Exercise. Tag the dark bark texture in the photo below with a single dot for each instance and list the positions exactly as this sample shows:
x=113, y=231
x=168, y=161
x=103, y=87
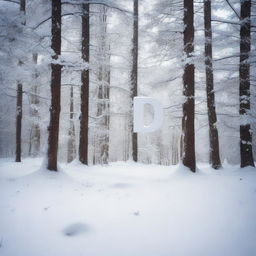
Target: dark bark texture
x=134, y=73
x=23, y=6
x=53, y=128
x=212, y=117
x=244, y=88
x=19, y=101
x=188, y=129
x=84, y=118
x=18, y=122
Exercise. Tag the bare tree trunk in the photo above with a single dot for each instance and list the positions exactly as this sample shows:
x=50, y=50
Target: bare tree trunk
x=188, y=129
x=19, y=99
x=134, y=73
x=175, y=147
x=94, y=148
x=18, y=122
x=55, y=87
x=244, y=88
x=30, y=141
x=103, y=110
x=34, y=147
x=212, y=117
x=103, y=92
x=71, y=131
x=126, y=137
x=105, y=148
x=84, y=118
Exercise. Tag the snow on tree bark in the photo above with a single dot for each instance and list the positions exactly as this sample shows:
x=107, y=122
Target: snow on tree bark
x=212, y=118
x=84, y=118
x=71, y=132
x=34, y=144
x=188, y=128
x=18, y=122
x=244, y=84
x=53, y=128
x=19, y=99
x=103, y=110
x=134, y=73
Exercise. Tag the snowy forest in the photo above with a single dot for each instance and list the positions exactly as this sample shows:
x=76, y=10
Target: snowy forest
x=69, y=73
x=87, y=61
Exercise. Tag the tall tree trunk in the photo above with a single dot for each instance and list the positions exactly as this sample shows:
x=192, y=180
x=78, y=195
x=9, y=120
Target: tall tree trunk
x=244, y=88
x=71, y=131
x=53, y=128
x=103, y=92
x=18, y=122
x=19, y=98
x=134, y=73
x=212, y=118
x=84, y=118
x=103, y=110
x=34, y=147
x=188, y=129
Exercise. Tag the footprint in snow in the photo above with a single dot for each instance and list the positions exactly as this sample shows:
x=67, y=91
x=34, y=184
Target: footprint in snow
x=76, y=229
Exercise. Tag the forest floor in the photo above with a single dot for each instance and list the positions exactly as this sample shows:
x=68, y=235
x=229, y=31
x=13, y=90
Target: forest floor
x=126, y=209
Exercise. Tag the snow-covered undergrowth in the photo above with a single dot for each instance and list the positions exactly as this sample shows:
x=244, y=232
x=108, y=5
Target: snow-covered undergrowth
x=126, y=209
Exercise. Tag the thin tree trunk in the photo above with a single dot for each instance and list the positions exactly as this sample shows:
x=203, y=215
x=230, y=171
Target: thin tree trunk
x=35, y=130
x=212, y=117
x=19, y=99
x=103, y=110
x=244, y=88
x=84, y=118
x=71, y=131
x=188, y=128
x=55, y=87
x=105, y=148
x=30, y=142
x=18, y=122
x=134, y=73
x=103, y=92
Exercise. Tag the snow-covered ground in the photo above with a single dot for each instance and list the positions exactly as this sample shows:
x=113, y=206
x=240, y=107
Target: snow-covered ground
x=126, y=209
